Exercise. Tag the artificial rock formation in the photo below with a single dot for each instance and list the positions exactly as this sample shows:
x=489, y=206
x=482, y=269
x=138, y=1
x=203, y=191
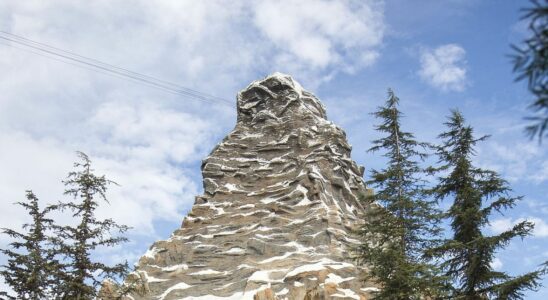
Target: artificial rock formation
x=280, y=199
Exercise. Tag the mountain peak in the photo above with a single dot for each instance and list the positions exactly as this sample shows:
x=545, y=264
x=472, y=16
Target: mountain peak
x=281, y=197
x=276, y=97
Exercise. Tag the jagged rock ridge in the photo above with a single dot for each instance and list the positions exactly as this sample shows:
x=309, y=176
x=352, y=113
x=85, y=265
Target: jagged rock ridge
x=280, y=197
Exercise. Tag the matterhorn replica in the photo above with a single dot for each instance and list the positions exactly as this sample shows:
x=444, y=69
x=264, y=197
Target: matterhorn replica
x=281, y=197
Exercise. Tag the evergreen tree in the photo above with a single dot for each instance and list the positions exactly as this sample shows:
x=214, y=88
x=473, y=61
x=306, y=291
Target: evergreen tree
x=531, y=64
x=401, y=221
x=30, y=260
x=82, y=276
x=476, y=194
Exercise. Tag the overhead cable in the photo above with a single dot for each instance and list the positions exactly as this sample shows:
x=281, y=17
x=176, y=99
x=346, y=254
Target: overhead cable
x=102, y=67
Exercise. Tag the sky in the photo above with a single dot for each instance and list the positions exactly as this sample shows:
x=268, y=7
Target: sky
x=436, y=56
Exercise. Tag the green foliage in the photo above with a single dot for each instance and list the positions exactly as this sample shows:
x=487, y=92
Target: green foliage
x=30, y=260
x=82, y=276
x=400, y=221
x=476, y=193
x=52, y=261
x=531, y=64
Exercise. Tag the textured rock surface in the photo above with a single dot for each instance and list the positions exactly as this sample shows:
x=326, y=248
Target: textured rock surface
x=280, y=199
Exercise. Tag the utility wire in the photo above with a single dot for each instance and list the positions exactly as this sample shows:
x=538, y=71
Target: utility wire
x=135, y=76
x=112, y=66
x=84, y=66
x=105, y=68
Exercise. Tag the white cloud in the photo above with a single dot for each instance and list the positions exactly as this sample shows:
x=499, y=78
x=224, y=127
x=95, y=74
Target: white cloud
x=210, y=42
x=321, y=34
x=541, y=227
x=503, y=224
x=149, y=141
x=23, y=168
x=143, y=148
x=537, y=205
x=521, y=161
x=444, y=67
x=500, y=225
x=496, y=264
x=542, y=173
x=4, y=287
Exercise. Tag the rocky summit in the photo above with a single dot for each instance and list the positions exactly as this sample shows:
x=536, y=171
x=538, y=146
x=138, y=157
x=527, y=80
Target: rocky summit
x=281, y=196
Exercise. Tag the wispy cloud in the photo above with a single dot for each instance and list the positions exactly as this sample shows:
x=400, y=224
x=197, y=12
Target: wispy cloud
x=137, y=136
x=542, y=174
x=497, y=264
x=503, y=224
x=521, y=161
x=142, y=147
x=444, y=67
x=322, y=34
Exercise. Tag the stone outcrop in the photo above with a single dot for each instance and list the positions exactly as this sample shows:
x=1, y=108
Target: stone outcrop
x=280, y=199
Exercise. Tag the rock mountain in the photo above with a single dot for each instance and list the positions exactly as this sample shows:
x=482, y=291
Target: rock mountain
x=280, y=199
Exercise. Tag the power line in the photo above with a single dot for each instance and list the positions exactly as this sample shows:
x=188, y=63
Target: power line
x=134, y=76
x=83, y=66
x=114, y=67
x=105, y=68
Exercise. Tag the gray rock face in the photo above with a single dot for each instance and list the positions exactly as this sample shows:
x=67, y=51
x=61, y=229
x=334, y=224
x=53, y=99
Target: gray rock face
x=280, y=198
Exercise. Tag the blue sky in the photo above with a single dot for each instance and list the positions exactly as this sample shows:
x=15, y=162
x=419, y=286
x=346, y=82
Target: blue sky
x=435, y=55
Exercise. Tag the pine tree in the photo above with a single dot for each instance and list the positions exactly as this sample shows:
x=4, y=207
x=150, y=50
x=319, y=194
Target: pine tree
x=401, y=221
x=30, y=261
x=531, y=64
x=476, y=194
x=83, y=276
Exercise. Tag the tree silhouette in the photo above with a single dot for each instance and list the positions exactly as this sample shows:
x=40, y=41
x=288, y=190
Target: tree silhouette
x=83, y=275
x=476, y=193
x=30, y=261
x=401, y=221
